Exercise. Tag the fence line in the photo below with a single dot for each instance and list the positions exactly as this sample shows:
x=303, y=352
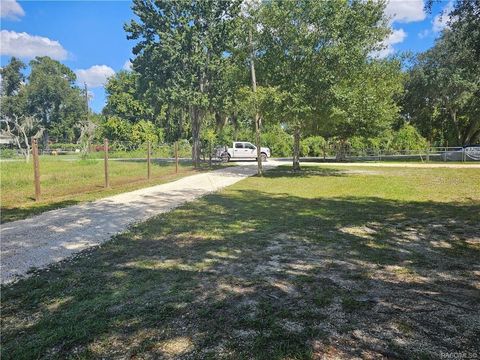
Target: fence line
x=36, y=169
x=105, y=152
x=62, y=168
x=428, y=154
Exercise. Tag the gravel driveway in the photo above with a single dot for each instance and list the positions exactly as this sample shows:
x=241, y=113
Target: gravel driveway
x=54, y=235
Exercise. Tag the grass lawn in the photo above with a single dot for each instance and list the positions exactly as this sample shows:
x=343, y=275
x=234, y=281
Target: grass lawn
x=67, y=182
x=333, y=263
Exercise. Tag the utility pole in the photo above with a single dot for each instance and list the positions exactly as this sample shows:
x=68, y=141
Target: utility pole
x=86, y=100
x=257, y=115
x=87, y=122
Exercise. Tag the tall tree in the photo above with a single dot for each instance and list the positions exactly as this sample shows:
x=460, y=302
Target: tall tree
x=364, y=103
x=308, y=46
x=12, y=93
x=465, y=22
x=181, y=51
x=53, y=98
x=443, y=91
x=124, y=98
x=12, y=77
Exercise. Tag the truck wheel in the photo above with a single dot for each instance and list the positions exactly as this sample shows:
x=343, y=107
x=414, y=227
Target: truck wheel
x=263, y=156
x=225, y=157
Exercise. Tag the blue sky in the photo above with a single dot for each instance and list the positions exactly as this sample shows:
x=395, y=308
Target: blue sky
x=88, y=36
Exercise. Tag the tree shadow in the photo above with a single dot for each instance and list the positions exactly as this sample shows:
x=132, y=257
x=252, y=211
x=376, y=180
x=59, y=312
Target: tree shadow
x=254, y=275
x=8, y=214
x=286, y=171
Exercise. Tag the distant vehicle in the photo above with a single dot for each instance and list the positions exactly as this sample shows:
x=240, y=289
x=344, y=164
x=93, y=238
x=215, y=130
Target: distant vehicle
x=472, y=152
x=465, y=153
x=242, y=150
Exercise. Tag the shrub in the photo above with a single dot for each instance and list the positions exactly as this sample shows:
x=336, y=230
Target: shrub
x=313, y=146
x=408, y=138
x=144, y=131
x=116, y=129
x=8, y=153
x=184, y=148
x=278, y=140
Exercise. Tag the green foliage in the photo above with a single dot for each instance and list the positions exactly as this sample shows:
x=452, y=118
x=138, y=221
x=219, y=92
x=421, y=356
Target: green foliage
x=53, y=97
x=116, y=129
x=8, y=153
x=144, y=131
x=13, y=97
x=467, y=26
x=295, y=55
x=383, y=141
x=278, y=140
x=12, y=77
x=442, y=95
x=408, y=138
x=313, y=146
x=184, y=148
x=364, y=102
x=180, y=53
x=124, y=98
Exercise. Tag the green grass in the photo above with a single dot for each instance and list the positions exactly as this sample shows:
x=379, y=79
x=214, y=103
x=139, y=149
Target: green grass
x=67, y=182
x=332, y=262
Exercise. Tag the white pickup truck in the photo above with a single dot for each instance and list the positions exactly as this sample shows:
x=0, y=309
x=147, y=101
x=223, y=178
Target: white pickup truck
x=242, y=150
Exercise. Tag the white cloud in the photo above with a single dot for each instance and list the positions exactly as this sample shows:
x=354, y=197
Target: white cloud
x=28, y=46
x=424, y=33
x=11, y=9
x=405, y=11
x=440, y=21
x=396, y=37
x=95, y=76
x=127, y=66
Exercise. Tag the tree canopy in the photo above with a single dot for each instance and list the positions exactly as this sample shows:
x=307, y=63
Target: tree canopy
x=442, y=95
x=181, y=52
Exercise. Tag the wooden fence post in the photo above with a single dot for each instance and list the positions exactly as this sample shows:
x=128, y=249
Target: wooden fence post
x=36, y=168
x=149, y=149
x=105, y=150
x=427, y=155
x=176, y=156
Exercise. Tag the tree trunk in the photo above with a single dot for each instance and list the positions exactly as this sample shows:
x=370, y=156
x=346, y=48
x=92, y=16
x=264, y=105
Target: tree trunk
x=296, y=149
x=234, y=119
x=196, y=118
x=257, y=115
x=453, y=113
x=258, y=145
x=342, y=151
x=220, y=121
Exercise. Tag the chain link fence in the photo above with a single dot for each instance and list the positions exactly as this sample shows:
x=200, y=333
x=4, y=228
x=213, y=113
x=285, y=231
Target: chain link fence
x=437, y=154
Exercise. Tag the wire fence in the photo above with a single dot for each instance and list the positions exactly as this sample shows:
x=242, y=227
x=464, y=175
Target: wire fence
x=58, y=172
x=437, y=154
x=61, y=172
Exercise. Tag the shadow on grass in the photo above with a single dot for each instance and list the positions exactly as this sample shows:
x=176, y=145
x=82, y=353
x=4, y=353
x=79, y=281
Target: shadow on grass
x=19, y=213
x=253, y=275
x=286, y=171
